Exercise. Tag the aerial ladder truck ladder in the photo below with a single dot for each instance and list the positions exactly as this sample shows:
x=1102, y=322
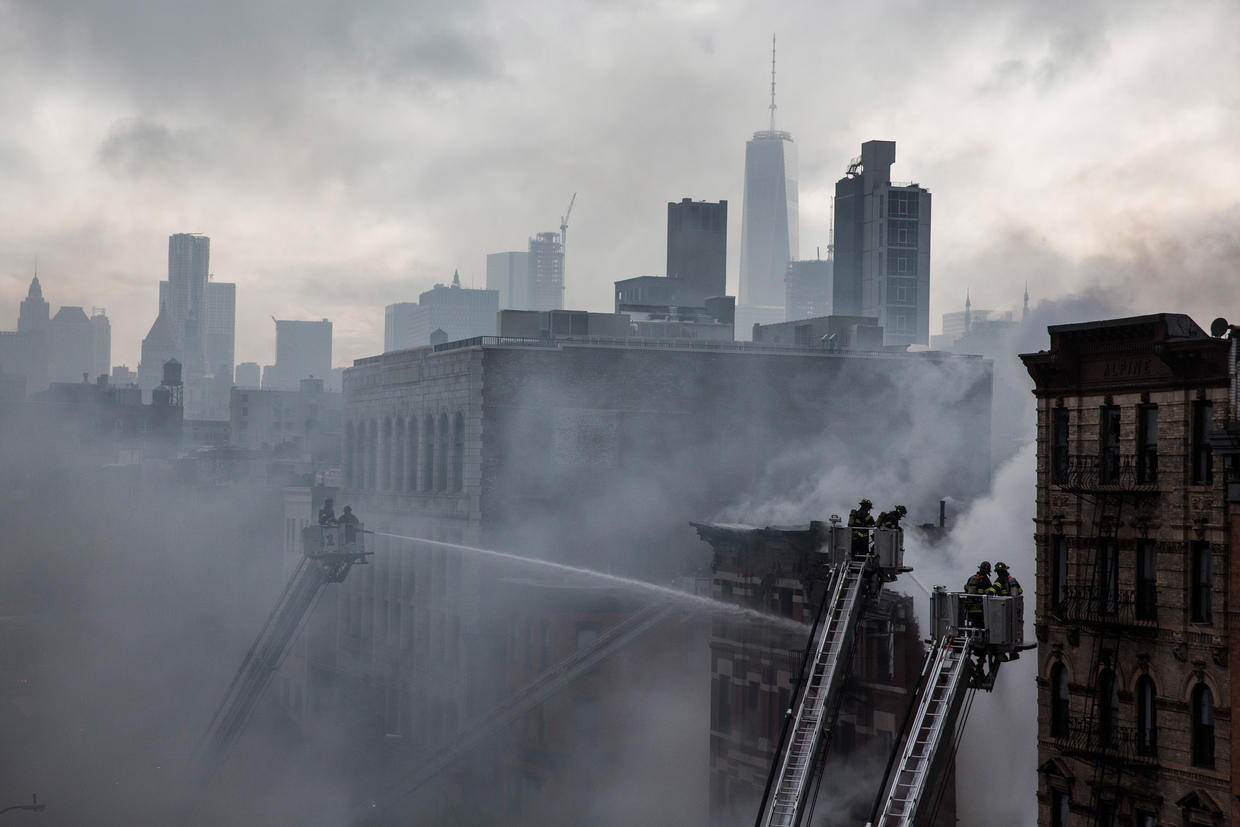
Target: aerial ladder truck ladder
x=857, y=574
x=974, y=634
x=328, y=553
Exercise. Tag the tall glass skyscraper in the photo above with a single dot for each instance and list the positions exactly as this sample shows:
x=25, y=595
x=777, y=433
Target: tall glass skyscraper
x=768, y=222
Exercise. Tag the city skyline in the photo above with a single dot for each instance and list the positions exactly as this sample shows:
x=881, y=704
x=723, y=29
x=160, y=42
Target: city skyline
x=112, y=153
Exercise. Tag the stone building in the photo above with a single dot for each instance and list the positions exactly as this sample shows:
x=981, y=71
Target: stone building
x=1134, y=586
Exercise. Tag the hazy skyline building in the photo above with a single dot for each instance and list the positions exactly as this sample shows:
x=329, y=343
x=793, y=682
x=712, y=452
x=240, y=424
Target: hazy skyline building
x=70, y=339
x=882, y=247
x=101, y=343
x=303, y=351
x=546, y=281
x=221, y=327
x=459, y=312
x=508, y=273
x=807, y=289
x=159, y=346
x=189, y=261
x=697, y=244
x=769, y=221
x=35, y=312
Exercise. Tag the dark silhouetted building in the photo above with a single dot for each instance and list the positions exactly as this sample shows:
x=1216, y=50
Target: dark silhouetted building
x=697, y=244
x=882, y=247
x=807, y=289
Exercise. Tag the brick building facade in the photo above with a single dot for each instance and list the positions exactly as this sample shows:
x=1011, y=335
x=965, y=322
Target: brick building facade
x=1135, y=611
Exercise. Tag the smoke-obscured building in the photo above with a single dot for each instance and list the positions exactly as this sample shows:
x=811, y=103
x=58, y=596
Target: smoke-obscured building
x=508, y=274
x=780, y=571
x=697, y=244
x=101, y=343
x=24, y=352
x=807, y=289
x=221, y=328
x=882, y=247
x=1138, y=496
x=303, y=351
x=769, y=222
x=71, y=344
x=303, y=424
x=189, y=261
x=546, y=279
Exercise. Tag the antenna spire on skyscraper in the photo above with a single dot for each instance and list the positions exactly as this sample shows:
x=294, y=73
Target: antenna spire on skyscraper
x=772, y=82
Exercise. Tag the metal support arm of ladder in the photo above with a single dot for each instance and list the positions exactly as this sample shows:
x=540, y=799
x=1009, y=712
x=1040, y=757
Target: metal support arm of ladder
x=546, y=685
x=931, y=731
x=819, y=702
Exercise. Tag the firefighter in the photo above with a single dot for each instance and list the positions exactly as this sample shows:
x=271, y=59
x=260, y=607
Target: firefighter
x=861, y=518
x=977, y=585
x=891, y=519
x=980, y=582
x=327, y=514
x=350, y=522
x=1005, y=584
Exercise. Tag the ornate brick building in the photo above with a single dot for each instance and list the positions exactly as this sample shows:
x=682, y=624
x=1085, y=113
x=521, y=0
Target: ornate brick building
x=1135, y=619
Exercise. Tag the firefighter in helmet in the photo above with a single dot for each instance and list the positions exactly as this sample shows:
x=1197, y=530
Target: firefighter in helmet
x=1005, y=584
x=350, y=522
x=861, y=519
x=892, y=518
x=979, y=582
x=327, y=514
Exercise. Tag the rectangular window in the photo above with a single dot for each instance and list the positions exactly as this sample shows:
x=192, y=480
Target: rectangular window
x=1108, y=444
x=1147, y=581
x=1202, y=457
x=904, y=204
x=1059, y=571
x=1059, y=808
x=1147, y=444
x=1201, y=584
x=901, y=233
x=1108, y=574
x=1059, y=446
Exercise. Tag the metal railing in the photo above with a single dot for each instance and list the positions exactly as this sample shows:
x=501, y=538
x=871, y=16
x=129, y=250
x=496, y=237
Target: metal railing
x=1100, y=606
x=1102, y=473
x=1115, y=743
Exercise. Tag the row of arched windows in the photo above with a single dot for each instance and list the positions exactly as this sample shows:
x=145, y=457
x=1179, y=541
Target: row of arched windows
x=1107, y=728
x=406, y=454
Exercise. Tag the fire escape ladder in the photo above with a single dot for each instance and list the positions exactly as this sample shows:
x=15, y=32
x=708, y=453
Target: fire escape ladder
x=931, y=731
x=1108, y=766
x=820, y=700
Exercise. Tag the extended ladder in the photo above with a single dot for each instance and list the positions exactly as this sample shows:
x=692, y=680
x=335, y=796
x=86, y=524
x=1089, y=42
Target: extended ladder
x=546, y=685
x=815, y=717
x=933, y=725
x=327, y=559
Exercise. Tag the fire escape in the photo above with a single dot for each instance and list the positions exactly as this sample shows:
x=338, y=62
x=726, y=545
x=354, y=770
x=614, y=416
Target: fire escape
x=1109, y=485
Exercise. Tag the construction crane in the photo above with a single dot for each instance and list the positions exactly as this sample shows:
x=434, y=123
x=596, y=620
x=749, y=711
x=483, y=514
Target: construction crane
x=974, y=634
x=328, y=553
x=858, y=570
x=564, y=227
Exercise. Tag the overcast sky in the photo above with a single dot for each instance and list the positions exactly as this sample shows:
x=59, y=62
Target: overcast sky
x=345, y=154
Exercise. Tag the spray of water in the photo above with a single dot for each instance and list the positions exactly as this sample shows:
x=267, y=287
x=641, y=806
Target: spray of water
x=624, y=582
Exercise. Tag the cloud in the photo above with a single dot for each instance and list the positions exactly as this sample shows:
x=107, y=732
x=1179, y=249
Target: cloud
x=138, y=148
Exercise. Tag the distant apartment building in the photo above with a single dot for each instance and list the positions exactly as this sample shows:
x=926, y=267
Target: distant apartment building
x=807, y=289
x=461, y=313
x=697, y=244
x=248, y=375
x=662, y=307
x=303, y=351
x=303, y=424
x=122, y=376
x=754, y=673
x=882, y=247
x=1137, y=501
x=509, y=275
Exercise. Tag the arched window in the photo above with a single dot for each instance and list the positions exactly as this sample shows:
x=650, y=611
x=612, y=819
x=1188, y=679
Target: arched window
x=347, y=456
x=372, y=439
x=1203, y=726
x=458, y=451
x=428, y=453
x=441, y=465
x=1147, y=717
x=1059, y=701
x=411, y=467
x=385, y=456
x=1108, y=709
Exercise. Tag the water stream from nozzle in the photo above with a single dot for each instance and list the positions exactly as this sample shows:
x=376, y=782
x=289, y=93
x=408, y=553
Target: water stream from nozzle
x=708, y=603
